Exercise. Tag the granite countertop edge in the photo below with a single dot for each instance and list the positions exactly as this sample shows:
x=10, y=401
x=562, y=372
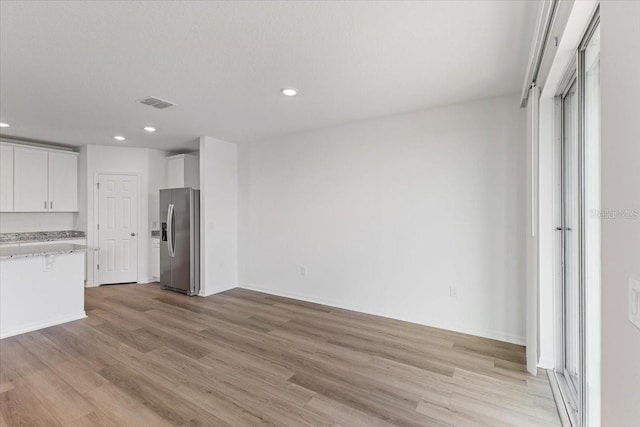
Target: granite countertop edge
x=35, y=251
x=41, y=236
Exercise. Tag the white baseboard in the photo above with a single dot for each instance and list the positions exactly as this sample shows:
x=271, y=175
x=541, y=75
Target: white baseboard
x=45, y=324
x=139, y=282
x=205, y=293
x=484, y=333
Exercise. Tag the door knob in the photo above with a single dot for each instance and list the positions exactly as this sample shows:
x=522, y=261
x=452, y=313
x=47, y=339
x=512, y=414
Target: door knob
x=133, y=234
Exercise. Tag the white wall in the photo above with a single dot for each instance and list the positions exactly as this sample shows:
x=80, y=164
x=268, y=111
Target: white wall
x=387, y=214
x=620, y=82
x=13, y=222
x=147, y=164
x=157, y=181
x=218, y=215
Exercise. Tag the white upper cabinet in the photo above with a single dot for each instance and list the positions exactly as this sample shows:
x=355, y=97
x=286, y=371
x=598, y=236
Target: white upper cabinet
x=38, y=180
x=183, y=170
x=6, y=178
x=63, y=182
x=31, y=180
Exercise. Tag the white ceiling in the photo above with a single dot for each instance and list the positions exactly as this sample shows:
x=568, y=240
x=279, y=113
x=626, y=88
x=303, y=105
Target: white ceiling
x=70, y=72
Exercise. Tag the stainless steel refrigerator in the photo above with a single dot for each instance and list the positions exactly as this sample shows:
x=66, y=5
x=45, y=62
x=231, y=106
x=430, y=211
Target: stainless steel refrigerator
x=180, y=240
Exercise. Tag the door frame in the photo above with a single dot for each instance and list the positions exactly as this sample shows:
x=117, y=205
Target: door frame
x=574, y=75
x=96, y=235
x=571, y=395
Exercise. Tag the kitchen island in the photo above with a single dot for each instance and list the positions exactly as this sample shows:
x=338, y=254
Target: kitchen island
x=40, y=286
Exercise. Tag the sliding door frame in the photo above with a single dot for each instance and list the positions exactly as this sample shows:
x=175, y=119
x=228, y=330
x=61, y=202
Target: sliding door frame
x=571, y=395
x=575, y=74
x=582, y=126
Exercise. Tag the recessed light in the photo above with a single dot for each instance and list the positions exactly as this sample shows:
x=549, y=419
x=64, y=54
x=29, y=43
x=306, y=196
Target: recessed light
x=119, y=138
x=289, y=91
x=149, y=128
x=4, y=125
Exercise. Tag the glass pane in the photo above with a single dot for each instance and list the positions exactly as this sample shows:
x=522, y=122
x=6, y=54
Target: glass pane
x=592, y=224
x=571, y=239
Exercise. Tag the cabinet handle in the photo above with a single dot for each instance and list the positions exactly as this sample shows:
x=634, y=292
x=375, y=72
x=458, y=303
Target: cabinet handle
x=45, y=204
x=50, y=205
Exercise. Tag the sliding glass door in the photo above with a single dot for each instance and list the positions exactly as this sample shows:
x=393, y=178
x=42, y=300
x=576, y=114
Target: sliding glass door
x=571, y=212
x=578, y=370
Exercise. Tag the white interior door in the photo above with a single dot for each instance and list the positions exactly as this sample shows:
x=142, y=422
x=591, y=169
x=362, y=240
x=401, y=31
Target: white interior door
x=117, y=228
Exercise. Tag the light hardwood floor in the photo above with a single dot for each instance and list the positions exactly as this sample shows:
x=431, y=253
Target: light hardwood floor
x=147, y=357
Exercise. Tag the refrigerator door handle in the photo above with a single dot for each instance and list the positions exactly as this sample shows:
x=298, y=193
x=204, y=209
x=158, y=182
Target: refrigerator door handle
x=170, y=231
x=173, y=231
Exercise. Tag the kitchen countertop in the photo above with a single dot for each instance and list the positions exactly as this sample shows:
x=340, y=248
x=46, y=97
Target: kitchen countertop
x=41, y=236
x=33, y=251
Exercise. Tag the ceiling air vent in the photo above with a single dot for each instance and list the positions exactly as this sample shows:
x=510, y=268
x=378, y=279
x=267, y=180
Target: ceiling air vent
x=155, y=102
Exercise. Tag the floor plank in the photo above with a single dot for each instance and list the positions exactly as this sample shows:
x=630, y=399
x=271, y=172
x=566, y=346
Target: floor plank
x=19, y=407
x=145, y=356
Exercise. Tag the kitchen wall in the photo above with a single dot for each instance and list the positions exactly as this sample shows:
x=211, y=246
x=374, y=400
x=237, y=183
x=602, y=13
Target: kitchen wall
x=150, y=166
x=157, y=181
x=419, y=217
x=218, y=215
x=620, y=83
x=36, y=221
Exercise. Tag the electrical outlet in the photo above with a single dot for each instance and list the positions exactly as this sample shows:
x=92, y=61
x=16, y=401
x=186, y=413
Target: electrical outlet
x=453, y=292
x=303, y=271
x=47, y=262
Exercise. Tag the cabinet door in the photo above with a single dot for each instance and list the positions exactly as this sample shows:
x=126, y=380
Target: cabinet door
x=192, y=172
x=30, y=180
x=175, y=173
x=63, y=182
x=6, y=178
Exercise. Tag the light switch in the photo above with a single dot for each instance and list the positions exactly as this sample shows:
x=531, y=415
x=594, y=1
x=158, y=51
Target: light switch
x=634, y=301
